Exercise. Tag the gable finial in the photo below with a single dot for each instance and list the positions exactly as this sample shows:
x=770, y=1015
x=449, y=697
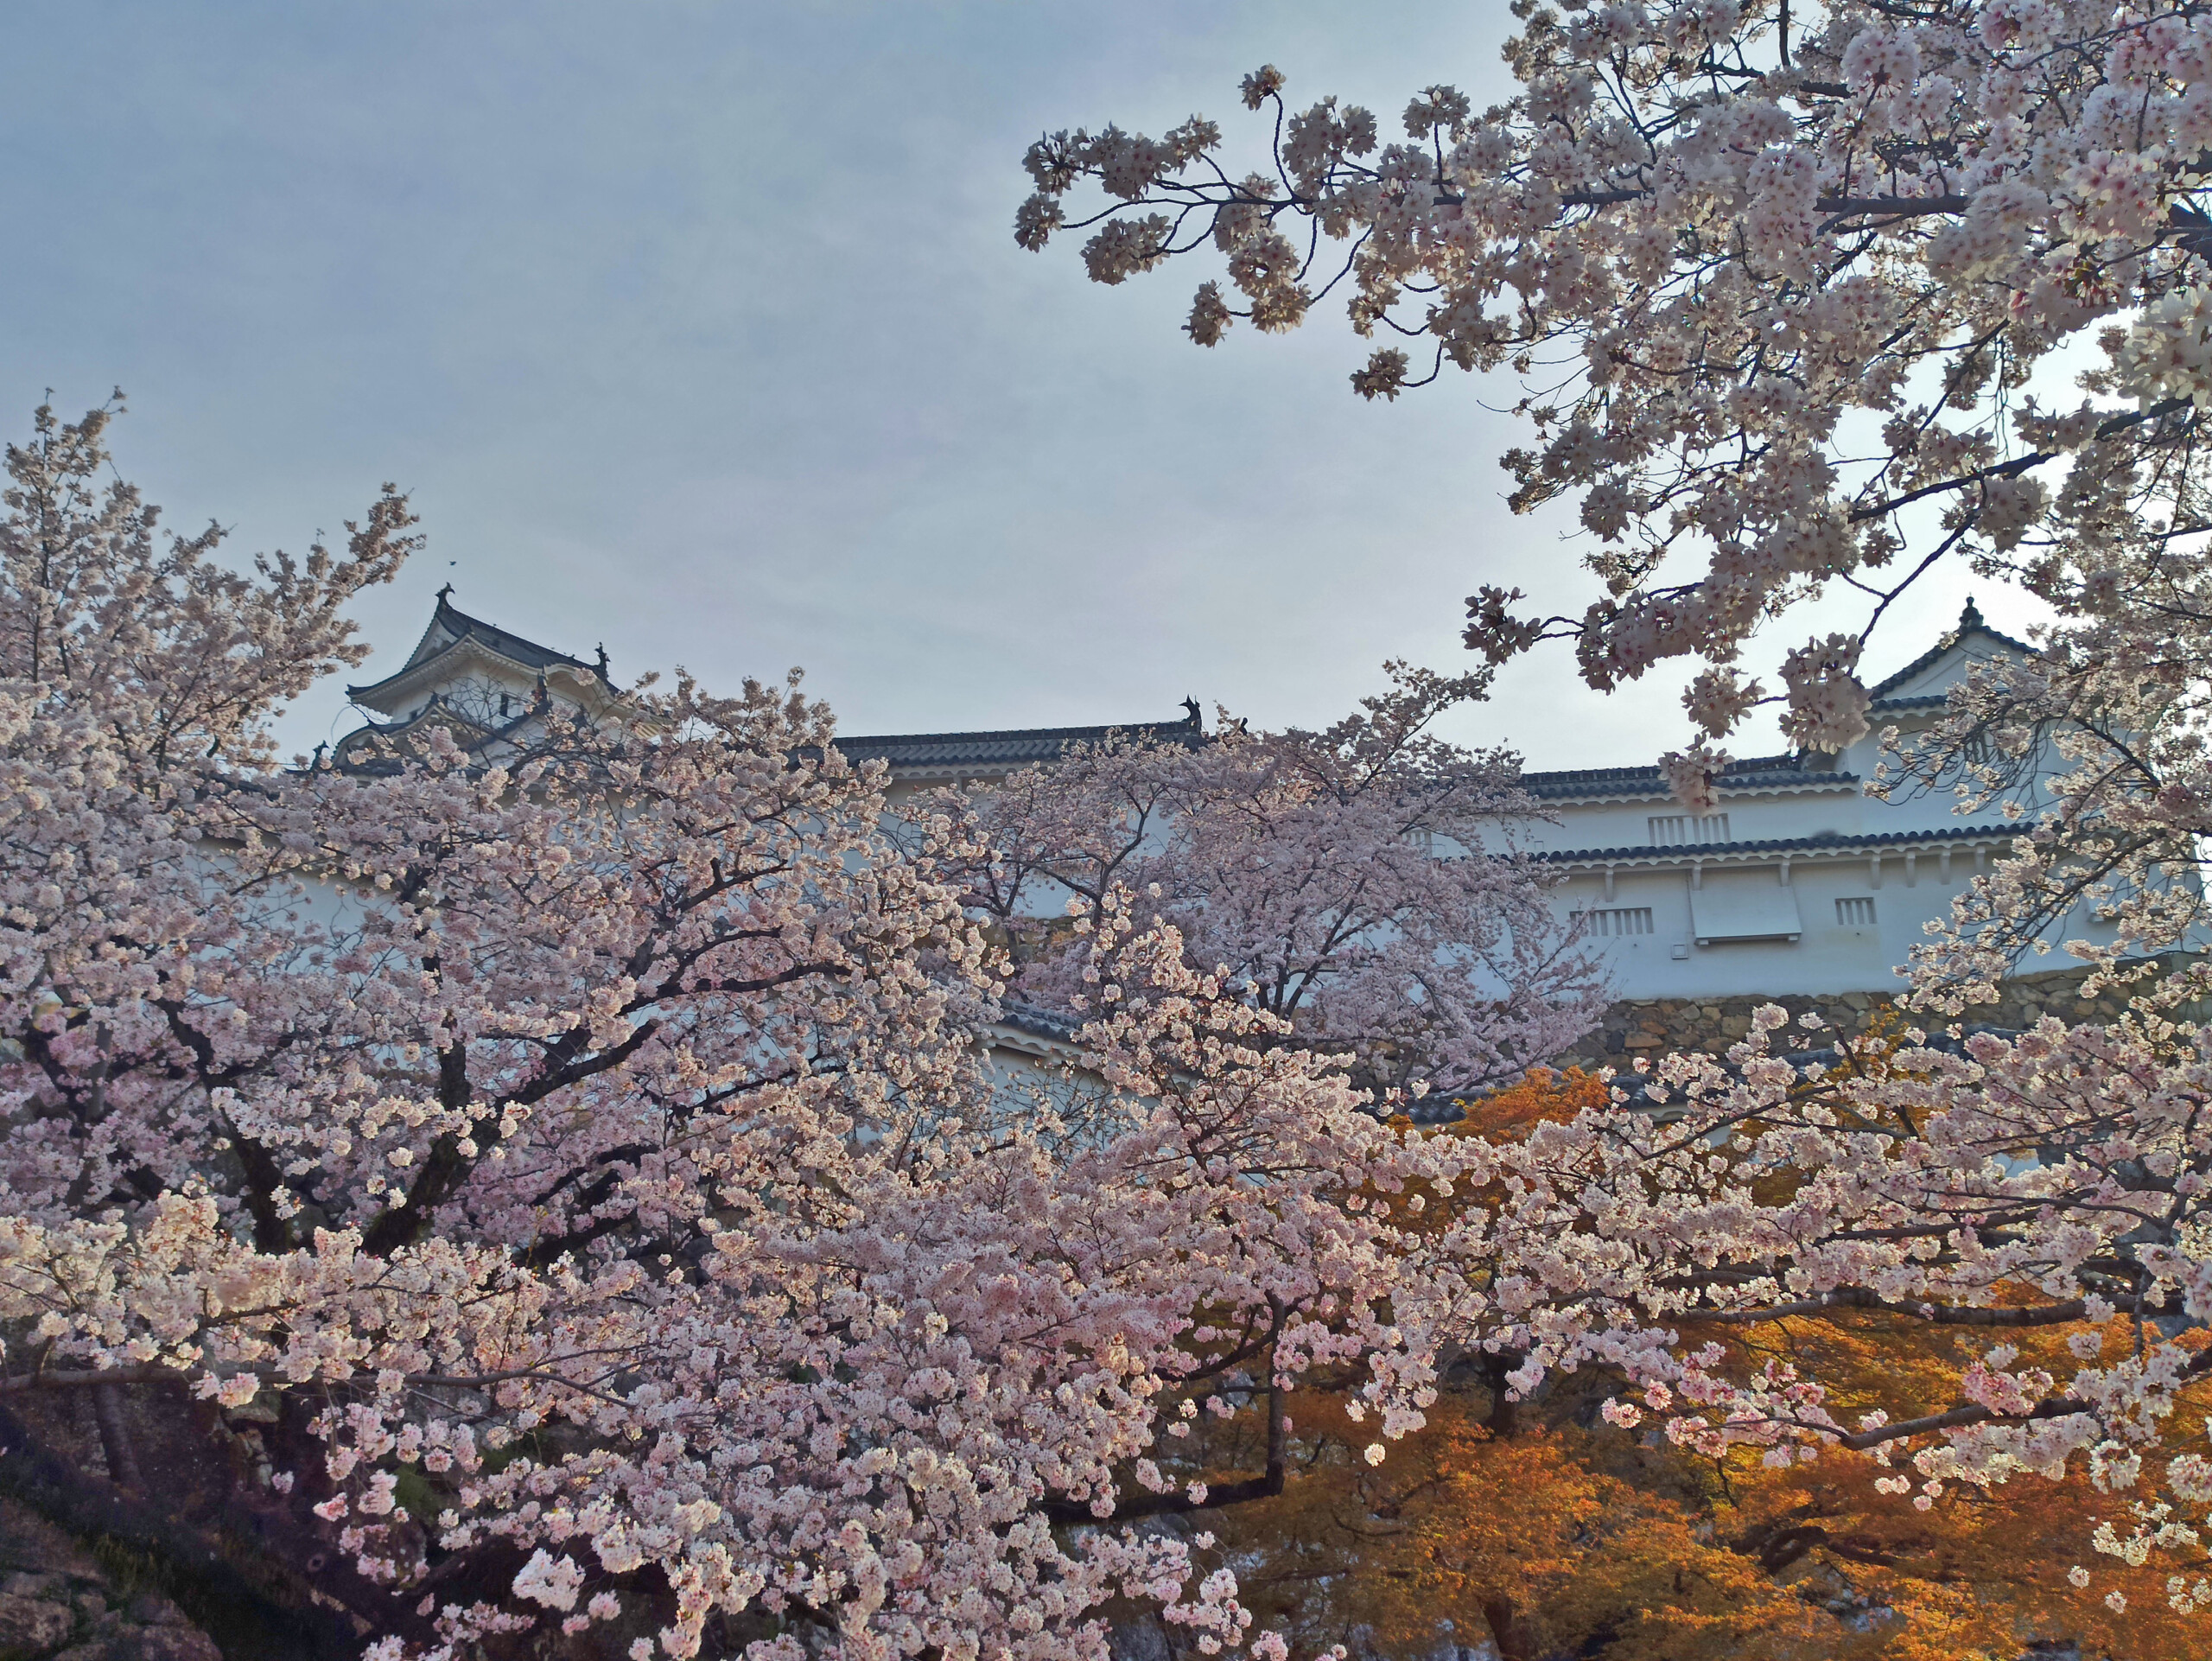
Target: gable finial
x=1191, y=705
x=602, y=661
x=444, y=593
x=1971, y=617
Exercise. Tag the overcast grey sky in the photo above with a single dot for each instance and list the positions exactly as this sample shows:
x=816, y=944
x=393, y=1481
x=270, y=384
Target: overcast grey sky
x=699, y=330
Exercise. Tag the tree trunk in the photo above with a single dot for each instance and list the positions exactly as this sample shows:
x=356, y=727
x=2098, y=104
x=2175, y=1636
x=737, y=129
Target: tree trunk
x=1505, y=1411
x=245, y=1623
x=115, y=1439
x=1509, y=1630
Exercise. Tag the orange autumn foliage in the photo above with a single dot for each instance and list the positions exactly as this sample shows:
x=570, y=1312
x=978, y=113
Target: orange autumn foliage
x=1979, y=1573
x=1510, y=1114
x=1542, y=1541
x=1539, y=1530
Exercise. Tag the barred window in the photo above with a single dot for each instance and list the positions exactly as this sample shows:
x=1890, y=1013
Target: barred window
x=1855, y=913
x=1682, y=829
x=1617, y=920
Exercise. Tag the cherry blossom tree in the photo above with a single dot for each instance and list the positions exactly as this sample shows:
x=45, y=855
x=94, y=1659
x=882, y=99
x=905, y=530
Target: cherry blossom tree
x=1807, y=301
x=565, y=1193
x=1797, y=297
x=1363, y=884
x=561, y=1201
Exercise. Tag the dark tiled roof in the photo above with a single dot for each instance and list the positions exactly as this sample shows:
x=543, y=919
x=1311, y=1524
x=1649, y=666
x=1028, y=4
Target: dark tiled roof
x=437, y=708
x=461, y=626
x=1755, y=773
x=1014, y=746
x=1826, y=840
x=1969, y=623
x=1040, y=1023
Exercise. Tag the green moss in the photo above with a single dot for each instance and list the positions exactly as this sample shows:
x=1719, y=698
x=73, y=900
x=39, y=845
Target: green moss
x=418, y=1496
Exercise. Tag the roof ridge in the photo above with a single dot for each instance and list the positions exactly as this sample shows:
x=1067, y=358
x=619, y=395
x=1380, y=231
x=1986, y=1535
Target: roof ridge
x=1007, y=733
x=477, y=625
x=1789, y=759
x=1970, y=622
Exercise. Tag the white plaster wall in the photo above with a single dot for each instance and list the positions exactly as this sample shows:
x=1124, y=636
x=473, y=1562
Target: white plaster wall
x=1837, y=809
x=1828, y=955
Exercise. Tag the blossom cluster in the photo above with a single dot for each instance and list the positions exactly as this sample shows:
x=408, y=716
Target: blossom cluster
x=576, y=1168
x=1368, y=884
x=1805, y=292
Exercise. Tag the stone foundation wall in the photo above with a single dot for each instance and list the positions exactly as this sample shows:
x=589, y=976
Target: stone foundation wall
x=59, y=1603
x=1656, y=1027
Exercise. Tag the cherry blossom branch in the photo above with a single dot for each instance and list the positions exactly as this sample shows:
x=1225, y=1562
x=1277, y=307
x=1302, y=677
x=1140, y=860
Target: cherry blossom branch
x=2058, y=1407
x=2047, y=1315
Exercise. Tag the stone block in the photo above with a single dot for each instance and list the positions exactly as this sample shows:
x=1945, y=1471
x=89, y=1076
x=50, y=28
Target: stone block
x=31, y=1627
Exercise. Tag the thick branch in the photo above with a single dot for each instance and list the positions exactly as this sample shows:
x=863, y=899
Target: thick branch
x=115, y=1439
x=204, y=1583
x=1839, y=206
x=1218, y=1495
x=2058, y=1407
x=1859, y=1297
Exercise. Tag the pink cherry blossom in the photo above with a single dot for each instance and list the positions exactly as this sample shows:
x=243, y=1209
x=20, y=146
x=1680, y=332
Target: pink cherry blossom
x=1800, y=301
x=1366, y=884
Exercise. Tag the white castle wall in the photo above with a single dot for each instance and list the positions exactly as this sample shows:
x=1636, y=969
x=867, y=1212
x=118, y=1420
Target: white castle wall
x=1679, y=908
x=1858, y=900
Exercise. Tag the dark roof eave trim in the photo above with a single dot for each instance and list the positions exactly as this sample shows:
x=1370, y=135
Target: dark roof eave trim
x=1847, y=783
x=1011, y=746
x=1817, y=845
x=1969, y=623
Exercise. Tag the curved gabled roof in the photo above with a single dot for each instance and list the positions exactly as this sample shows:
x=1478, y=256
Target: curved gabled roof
x=438, y=711
x=450, y=626
x=1040, y=1022
x=1970, y=622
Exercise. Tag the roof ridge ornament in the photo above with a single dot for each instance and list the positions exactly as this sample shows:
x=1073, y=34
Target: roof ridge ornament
x=1969, y=619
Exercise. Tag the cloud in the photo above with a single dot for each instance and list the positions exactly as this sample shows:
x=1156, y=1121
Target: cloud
x=700, y=329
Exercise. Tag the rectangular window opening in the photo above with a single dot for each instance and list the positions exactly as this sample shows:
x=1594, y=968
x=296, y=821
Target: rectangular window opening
x=1855, y=913
x=1617, y=920
x=1684, y=829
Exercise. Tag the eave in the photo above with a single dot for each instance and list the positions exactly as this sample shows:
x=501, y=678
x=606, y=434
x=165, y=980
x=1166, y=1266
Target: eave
x=395, y=692
x=1768, y=850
